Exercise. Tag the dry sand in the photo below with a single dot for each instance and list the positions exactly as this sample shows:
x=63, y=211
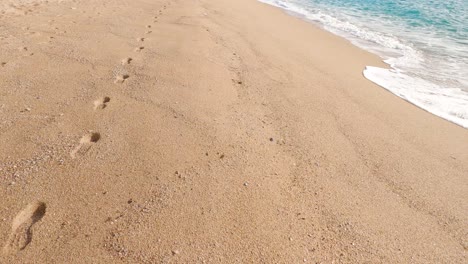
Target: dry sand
x=217, y=131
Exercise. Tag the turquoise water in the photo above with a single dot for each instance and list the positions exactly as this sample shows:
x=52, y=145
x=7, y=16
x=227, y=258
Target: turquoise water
x=424, y=41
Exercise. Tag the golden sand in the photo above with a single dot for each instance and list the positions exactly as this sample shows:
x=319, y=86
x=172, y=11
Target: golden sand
x=235, y=134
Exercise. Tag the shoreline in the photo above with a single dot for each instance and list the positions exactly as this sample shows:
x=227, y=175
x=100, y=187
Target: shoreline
x=182, y=131
x=423, y=93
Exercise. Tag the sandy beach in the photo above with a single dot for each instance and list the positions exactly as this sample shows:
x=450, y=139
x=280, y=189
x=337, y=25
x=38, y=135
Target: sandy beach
x=213, y=131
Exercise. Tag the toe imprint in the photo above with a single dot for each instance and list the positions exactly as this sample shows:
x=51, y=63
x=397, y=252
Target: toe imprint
x=21, y=234
x=92, y=137
x=86, y=142
x=121, y=78
x=101, y=103
x=126, y=61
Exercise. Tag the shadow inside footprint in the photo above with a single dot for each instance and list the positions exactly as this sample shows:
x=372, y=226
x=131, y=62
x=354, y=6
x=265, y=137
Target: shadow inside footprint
x=21, y=234
x=121, y=78
x=101, y=103
x=92, y=137
x=85, y=144
x=126, y=61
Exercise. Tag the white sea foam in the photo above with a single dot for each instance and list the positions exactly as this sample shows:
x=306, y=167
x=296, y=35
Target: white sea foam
x=425, y=77
x=448, y=103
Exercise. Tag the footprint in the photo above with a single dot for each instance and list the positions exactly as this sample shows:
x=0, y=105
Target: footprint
x=139, y=49
x=3, y=64
x=21, y=234
x=148, y=26
x=121, y=78
x=126, y=61
x=101, y=103
x=140, y=39
x=86, y=142
x=148, y=32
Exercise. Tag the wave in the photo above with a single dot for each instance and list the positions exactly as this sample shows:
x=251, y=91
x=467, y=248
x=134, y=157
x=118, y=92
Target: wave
x=430, y=80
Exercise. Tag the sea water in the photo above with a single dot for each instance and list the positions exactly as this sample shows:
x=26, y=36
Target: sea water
x=425, y=42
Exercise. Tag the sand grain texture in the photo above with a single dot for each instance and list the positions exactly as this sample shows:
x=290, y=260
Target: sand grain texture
x=239, y=134
x=21, y=234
